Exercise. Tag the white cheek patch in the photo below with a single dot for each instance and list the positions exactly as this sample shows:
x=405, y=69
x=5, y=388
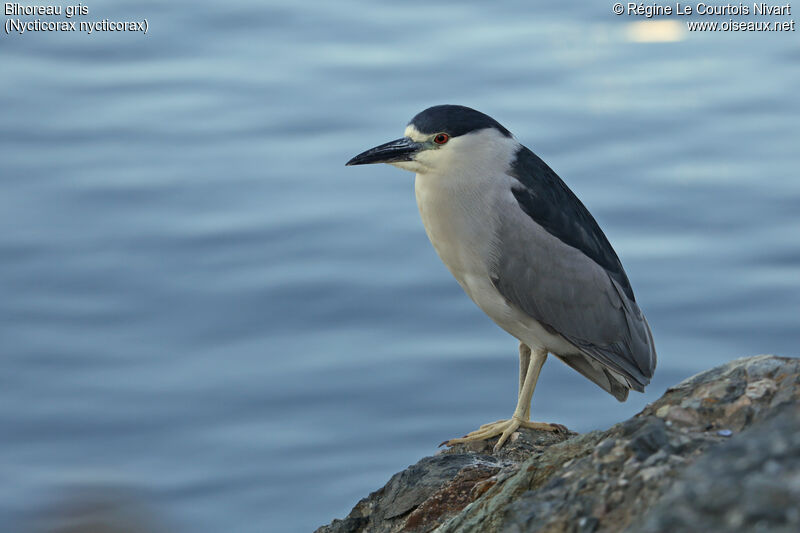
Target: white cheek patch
x=484, y=152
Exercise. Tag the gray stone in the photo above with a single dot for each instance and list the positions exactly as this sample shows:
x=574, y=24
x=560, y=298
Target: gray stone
x=751, y=483
x=650, y=439
x=420, y=495
x=718, y=452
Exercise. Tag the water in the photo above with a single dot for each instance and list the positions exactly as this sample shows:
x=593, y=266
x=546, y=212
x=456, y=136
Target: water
x=205, y=310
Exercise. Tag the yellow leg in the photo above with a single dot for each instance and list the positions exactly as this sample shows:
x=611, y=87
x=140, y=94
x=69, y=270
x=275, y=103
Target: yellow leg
x=521, y=416
x=524, y=361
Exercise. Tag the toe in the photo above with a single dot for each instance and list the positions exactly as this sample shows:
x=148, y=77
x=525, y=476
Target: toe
x=513, y=425
x=486, y=431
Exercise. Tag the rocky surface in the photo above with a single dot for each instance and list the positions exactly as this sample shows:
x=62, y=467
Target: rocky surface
x=718, y=452
x=749, y=484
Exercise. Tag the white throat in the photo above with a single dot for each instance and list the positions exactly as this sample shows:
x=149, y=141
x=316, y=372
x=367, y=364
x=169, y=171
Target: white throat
x=458, y=188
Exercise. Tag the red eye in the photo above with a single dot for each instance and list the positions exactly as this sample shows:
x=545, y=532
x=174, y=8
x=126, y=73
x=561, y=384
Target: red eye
x=441, y=138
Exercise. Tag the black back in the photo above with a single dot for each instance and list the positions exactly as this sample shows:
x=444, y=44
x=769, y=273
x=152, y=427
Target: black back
x=548, y=201
x=454, y=120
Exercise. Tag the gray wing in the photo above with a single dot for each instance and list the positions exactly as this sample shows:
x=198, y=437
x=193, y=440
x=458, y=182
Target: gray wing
x=554, y=263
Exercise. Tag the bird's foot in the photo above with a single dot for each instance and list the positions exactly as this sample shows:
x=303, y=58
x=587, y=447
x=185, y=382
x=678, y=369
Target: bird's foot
x=504, y=428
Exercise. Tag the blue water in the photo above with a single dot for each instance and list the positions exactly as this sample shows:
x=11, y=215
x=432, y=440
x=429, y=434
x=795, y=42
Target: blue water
x=203, y=308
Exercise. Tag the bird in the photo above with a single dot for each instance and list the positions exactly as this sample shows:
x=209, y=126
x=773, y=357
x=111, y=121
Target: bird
x=527, y=251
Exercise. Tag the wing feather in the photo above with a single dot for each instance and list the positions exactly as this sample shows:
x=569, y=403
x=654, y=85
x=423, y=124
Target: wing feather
x=553, y=262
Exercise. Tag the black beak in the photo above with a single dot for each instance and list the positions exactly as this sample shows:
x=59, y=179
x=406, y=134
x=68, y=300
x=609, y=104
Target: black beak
x=397, y=150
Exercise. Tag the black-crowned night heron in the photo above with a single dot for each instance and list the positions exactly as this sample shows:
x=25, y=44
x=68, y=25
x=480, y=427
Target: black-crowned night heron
x=526, y=250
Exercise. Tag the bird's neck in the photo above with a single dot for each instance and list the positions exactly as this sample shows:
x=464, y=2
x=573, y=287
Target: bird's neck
x=458, y=220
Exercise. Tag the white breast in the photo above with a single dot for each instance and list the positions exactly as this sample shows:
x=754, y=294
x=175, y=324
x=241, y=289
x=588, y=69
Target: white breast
x=458, y=211
x=457, y=205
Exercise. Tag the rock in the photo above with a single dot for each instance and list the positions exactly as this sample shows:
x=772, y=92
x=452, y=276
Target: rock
x=718, y=452
x=650, y=439
x=751, y=483
x=419, y=497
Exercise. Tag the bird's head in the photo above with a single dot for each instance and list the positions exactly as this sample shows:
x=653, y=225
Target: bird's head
x=440, y=138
